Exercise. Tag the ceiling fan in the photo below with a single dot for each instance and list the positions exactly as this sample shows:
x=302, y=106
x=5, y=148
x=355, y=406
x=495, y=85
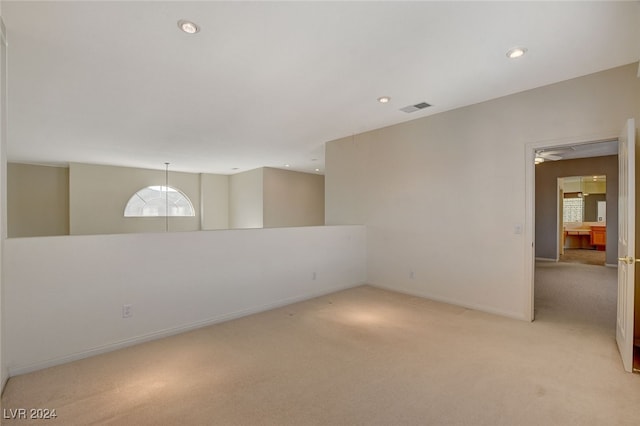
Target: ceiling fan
x=552, y=154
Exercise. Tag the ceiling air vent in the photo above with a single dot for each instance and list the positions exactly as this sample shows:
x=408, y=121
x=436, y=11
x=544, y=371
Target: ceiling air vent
x=416, y=107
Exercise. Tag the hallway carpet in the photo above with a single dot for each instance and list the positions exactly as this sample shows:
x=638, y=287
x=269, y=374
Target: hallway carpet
x=587, y=257
x=363, y=356
x=577, y=295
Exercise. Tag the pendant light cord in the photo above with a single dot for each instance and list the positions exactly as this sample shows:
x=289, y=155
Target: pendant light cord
x=166, y=196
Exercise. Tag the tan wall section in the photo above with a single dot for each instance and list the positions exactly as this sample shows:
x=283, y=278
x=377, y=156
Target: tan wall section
x=98, y=195
x=345, y=182
x=37, y=200
x=292, y=198
x=214, y=190
x=246, y=200
x=90, y=199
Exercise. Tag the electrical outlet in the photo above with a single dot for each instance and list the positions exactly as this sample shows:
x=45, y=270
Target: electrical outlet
x=127, y=311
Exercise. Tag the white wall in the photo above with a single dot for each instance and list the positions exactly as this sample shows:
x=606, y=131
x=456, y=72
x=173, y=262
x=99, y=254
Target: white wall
x=246, y=200
x=429, y=231
x=214, y=200
x=70, y=305
x=292, y=198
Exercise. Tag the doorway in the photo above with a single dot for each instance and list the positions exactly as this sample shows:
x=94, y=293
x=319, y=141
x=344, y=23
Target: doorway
x=582, y=216
x=566, y=178
x=572, y=245
x=627, y=341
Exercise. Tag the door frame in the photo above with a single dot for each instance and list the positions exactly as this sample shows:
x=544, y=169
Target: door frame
x=530, y=206
x=560, y=221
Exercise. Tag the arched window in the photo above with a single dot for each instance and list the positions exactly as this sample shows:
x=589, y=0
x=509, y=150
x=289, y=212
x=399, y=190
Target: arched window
x=152, y=201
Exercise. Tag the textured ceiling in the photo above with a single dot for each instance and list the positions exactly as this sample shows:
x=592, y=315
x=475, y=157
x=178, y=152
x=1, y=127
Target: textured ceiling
x=268, y=83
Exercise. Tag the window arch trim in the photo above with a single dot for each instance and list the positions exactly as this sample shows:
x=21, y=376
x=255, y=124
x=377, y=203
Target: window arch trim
x=151, y=201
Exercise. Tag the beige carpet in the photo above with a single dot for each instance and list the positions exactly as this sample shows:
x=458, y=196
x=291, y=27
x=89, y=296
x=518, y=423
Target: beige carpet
x=364, y=356
x=577, y=295
x=588, y=257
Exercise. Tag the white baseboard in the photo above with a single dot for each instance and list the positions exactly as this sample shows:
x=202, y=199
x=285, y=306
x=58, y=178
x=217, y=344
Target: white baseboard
x=545, y=259
x=475, y=307
x=15, y=371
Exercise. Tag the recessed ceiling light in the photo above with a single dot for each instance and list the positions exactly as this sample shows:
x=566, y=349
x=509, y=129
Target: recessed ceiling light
x=188, y=26
x=317, y=170
x=384, y=99
x=287, y=165
x=516, y=52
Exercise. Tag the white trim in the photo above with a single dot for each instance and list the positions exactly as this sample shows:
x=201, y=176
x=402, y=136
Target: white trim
x=163, y=188
x=559, y=219
x=172, y=331
x=454, y=302
x=546, y=259
x=4, y=373
x=529, y=231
